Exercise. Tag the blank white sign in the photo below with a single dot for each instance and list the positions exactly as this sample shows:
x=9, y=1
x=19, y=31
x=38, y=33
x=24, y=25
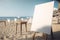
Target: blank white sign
x=42, y=18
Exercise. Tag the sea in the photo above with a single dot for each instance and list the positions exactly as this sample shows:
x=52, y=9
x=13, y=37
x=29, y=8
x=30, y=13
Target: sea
x=12, y=18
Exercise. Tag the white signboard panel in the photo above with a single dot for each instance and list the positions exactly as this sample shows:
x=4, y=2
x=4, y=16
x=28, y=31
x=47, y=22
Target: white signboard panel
x=42, y=18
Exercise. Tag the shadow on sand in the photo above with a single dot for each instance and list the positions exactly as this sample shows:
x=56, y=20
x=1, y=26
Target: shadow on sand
x=51, y=35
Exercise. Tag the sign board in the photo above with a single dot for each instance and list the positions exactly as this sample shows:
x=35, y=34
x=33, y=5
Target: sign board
x=42, y=18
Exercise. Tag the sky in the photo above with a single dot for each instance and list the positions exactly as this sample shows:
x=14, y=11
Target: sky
x=15, y=8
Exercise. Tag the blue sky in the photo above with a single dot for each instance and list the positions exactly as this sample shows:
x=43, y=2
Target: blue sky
x=20, y=8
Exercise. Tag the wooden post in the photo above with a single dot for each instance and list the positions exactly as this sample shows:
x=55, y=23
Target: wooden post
x=16, y=27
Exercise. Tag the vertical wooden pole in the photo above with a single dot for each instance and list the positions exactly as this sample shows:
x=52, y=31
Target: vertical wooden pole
x=26, y=26
x=16, y=28
x=21, y=28
x=52, y=37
